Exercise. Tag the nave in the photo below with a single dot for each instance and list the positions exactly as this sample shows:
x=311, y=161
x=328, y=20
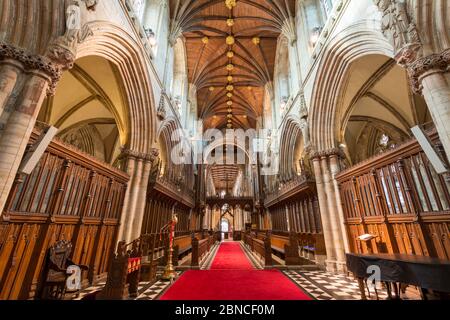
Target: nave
x=221, y=142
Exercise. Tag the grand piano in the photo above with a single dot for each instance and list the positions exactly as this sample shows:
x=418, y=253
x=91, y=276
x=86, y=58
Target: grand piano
x=426, y=273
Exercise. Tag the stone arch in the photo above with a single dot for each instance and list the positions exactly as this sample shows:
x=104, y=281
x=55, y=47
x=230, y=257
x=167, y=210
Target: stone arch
x=292, y=138
x=351, y=44
x=116, y=45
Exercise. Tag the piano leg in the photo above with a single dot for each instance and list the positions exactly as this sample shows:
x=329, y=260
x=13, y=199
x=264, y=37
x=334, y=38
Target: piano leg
x=362, y=288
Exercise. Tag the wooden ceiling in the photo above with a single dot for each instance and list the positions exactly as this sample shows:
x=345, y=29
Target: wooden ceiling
x=256, y=27
x=224, y=176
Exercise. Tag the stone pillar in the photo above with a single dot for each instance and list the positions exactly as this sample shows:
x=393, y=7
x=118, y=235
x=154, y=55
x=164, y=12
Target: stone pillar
x=138, y=166
x=324, y=213
x=333, y=212
x=9, y=73
x=25, y=80
x=428, y=76
x=335, y=169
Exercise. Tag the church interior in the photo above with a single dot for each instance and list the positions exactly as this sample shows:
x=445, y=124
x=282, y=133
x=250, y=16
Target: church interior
x=299, y=148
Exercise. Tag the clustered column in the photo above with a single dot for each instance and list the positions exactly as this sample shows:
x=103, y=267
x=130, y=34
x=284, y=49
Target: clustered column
x=138, y=166
x=326, y=167
x=25, y=80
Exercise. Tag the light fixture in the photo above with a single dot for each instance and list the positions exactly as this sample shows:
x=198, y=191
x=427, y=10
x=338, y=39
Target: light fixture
x=315, y=35
x=205, y=40
x=230, y=67
x=245, y=116
x=230, y=78
x=214, y=117
x=230, y=87
x=230, y=22
x=229, y=94
x=230, y=4
x=256, y=40
x=283, y=103
x=230, y=54
x=151, y=37
x=230, y=110
x=230, y=40
x=230, y=103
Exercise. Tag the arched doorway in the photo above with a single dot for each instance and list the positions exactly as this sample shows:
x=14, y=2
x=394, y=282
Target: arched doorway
x=225, y=228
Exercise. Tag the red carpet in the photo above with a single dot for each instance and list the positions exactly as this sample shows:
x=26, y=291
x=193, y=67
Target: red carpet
x=232, y=277
x=231, y=256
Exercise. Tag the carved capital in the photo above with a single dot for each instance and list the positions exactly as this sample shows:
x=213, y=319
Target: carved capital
x=151, y=157
x=33, y=62
x=435, y=62
x=326, y=153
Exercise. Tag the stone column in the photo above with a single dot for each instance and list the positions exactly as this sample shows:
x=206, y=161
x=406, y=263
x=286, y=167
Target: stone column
x=25, y=80
x=9, y=73
x=333, y=213
x=428, y=77
x=130, y=169
x=324, y=213
x=138, y=166
x=17, y=130
x=335, y=169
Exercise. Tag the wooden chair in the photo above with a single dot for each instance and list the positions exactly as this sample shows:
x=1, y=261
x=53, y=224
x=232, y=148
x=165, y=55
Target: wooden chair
x=54, y=278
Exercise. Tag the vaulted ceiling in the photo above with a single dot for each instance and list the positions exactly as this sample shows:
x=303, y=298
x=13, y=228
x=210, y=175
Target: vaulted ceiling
x=231, y=48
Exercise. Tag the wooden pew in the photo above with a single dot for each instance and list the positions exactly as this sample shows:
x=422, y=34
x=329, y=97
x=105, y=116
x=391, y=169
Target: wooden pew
x=182, y=246
x=312, y=246
x=289, y=246
x=124, y=273
x=260, y=244
x=152, y=247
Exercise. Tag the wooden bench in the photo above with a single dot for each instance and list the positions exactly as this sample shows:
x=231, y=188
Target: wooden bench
x=312, y=246
x=261, y=245
x=124, y=273
x=152, y=248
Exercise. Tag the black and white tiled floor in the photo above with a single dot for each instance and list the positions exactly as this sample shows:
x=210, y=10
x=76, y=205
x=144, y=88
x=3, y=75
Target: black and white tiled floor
x=322, y=285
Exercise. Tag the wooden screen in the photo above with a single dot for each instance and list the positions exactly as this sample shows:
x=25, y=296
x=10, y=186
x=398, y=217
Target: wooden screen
x=158, y=212
x=68, y=196
x=398, y=197
x=300, y=215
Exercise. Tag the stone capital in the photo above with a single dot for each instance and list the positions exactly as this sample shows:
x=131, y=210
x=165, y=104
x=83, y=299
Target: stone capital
x=31, y=63
x=149, y=157
x=433, y=63
x=326, y=153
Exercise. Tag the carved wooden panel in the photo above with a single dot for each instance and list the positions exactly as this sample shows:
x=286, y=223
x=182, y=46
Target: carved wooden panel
x=68, y=196
x=399, y=198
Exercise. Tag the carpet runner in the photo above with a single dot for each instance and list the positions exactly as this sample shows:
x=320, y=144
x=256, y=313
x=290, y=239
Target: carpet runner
x=232, y=277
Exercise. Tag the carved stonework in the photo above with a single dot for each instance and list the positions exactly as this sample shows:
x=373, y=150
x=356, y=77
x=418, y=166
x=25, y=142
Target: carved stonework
x=151, y=157
x=91, y=4
x=435, y=62
x=326, y=153
x=398, y=27
x=161, y=112
x=33, y=62
x=64, y=50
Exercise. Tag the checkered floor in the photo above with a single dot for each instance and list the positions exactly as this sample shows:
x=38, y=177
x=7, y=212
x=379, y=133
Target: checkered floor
x=323, y=285
x=154, y=291
x=147, y=290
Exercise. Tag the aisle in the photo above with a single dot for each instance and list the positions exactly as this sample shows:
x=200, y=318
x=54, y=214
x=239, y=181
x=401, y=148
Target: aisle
x=232, y=277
